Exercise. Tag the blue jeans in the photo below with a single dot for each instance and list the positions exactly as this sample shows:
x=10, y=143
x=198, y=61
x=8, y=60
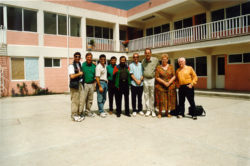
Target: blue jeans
x=101, y=97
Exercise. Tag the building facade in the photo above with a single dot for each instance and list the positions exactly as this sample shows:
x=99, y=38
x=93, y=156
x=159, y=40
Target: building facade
x=38, y=39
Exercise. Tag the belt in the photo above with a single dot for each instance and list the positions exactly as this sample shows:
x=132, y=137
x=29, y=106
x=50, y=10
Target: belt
x=89, y=82
x=104, y=81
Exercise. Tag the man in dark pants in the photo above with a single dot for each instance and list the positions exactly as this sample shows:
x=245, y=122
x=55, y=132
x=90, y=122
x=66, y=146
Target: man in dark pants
x=111, y=83
x=186, y=78
x=136, y=84
x=122, y=82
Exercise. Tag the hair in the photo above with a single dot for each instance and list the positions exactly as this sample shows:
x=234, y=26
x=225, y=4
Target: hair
x=122, y=57
x=181, y=58
x=77, y=53
x=113, y=57
x=102, y=56
x=164, y=56
x=89, y=53
x=148, y=49
x=135, y=54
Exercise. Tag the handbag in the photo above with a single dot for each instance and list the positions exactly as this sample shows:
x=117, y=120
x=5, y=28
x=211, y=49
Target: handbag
x=198, y=111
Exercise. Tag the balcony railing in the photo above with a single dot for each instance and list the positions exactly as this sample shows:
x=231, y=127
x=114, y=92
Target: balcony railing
x=2, y=35
x=209, y=31
x=101, y=44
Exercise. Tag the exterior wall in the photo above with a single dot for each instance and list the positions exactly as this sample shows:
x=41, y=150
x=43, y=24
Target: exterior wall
x=237, y=76
x=24, y=38
x=13, y=86
x=61, y=41
x=5, y=65
x=202, y=83
x=56, y=79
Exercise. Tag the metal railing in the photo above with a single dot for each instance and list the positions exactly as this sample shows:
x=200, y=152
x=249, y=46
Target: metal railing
x=209, y=31
x=101, y=44
x=2, y=35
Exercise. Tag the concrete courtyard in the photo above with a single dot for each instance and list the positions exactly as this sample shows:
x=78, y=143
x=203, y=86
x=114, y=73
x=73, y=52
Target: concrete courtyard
x=38, y=131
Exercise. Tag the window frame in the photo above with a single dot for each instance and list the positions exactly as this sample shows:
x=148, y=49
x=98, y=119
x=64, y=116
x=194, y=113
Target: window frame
x=242, y=59
x=52, y=59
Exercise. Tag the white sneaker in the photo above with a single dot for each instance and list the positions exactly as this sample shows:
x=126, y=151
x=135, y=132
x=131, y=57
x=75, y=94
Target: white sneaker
x=153, y=114
x=76, y=118
x=134, y=114
x=141, y=113
x=90, y=114
x=147, y=113
x=103, y=114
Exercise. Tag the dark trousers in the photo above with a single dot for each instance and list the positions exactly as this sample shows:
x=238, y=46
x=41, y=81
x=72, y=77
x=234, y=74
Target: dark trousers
x=123, y=90
x=111, y=92
x=136, y=93
x=185, y=91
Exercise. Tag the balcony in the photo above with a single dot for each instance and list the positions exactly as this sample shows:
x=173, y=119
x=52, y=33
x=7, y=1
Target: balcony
x=101, y=44
x=3, y=42
x=210, y=31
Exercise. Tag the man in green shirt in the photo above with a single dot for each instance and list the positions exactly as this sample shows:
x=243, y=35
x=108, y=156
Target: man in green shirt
x=111, y=82
x=88, y=69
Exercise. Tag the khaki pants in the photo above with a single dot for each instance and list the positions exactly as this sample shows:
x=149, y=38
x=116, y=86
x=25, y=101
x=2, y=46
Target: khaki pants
x=76, y=97
x=149, y=93
x=87, y=99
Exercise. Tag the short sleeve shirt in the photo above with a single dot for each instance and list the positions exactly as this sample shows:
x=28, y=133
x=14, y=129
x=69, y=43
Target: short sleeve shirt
x=136, y=70
x=101, y=71
x=149, y=67
x=89, y=72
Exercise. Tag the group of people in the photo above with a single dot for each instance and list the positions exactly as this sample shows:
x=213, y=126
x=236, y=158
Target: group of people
x=157, y=81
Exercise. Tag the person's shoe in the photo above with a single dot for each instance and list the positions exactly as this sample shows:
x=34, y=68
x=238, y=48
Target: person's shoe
x=76, y=118
x=141, y=113
x=147, y=113
x=103, y=114
x=90, y=114
x=153, y=114
x=194, y=117
x=179, y=116
x=134, y=114
x=110, y=112
x=128, y=114
x=118, y=115
x=159, y=116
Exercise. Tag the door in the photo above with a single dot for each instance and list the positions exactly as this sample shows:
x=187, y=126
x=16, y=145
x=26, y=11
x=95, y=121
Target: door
x=220, y=72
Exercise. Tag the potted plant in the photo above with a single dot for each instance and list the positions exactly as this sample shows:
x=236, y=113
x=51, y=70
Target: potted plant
x=125, y=44
x=91, y=44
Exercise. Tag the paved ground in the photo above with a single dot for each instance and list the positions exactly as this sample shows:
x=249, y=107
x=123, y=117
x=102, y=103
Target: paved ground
x=37, y=131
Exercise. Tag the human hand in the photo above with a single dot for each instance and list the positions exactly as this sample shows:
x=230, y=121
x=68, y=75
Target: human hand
x=190, y=86
x=100, y=89
x=166, y=84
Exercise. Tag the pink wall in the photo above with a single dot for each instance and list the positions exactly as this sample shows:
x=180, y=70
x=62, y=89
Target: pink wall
x=5, y=65
x=202, y=83
x=61, y=41
x=91, y=6
x=56, y=79
x=237, y=76
x=13, y=85
x=24, y=38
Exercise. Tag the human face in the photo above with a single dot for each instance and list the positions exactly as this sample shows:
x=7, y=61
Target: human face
x=89, y=59
x=102, y=61
x=77, y=58
x=182, y=63
x=113, y=62
x=123, y=61
x=148, y=55
x=164, y=61
x=136, y=58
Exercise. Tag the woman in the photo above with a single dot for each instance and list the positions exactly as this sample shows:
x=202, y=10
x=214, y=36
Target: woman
x=165, y=93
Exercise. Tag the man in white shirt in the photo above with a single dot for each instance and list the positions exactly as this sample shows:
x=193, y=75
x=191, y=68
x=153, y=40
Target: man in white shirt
x=76, y=88
x=102, y=86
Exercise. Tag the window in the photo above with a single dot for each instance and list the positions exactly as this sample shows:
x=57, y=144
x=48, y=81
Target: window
x=236, y=58
x=233, y=11
x=218, y=15
x=149, y=31
x=111, y=33
x=201, y=66
x=157, y=30
x=1, y=15
x=50, y=62
x=90, y=31
x=176, y=65
x=188, y=22
x=24, y=68
x=190, y=62
x=105, y=32
x=98, y=32
x=14, y=17
x=62, y=25
x=246, y=8
x=123, y=35
x=165, y=28
x=246, y=57
x=200, y=19
x=49, y=23
x=178, y=24
x=221, y=66
x=75, y=25
x=30, y=20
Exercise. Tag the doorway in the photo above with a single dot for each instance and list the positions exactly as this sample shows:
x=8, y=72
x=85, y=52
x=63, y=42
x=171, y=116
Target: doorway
x=220, y=72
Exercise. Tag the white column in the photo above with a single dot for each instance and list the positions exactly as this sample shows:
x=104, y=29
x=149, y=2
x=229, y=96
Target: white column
x=84, y=34
x=40, y=27
x=209, y=72
x=41, y=71
x=116, y=37
x=5, y=16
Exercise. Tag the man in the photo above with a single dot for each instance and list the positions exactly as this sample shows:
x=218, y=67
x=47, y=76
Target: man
x=88, y=69
x=149, y=65
x=76, y=88
x=102, y=87
x=136, y=84
x=122, y=82
x=186, y=78
x=111, y=83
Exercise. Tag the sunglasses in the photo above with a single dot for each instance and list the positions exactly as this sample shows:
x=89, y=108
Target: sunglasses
x=77, y=57
x=135, y=57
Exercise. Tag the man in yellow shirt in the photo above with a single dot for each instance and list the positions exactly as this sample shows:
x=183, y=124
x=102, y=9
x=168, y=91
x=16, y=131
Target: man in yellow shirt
x=186, y=78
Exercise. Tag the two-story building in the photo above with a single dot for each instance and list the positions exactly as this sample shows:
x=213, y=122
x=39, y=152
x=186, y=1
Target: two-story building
x=38, y=39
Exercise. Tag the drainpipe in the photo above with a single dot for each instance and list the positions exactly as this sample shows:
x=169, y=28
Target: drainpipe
x=68, y=44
